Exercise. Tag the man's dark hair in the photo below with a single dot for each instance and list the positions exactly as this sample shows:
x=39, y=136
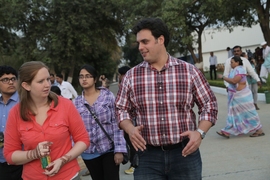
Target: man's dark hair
x=237, y=47
x=123, y=70
x=156, y=26
x=51, y=74
x=8, y=70
x=56, y=90
x=59, y=75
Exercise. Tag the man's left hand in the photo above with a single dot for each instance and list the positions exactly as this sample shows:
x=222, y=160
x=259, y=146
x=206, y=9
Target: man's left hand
x=193, y=144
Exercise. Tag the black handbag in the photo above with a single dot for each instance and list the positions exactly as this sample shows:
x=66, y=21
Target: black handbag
x=126, y=155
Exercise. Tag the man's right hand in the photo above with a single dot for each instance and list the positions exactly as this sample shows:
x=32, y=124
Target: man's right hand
x=136, y=138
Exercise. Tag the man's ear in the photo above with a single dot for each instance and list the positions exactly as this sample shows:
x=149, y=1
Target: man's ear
x=26, y=86
x=161, y=39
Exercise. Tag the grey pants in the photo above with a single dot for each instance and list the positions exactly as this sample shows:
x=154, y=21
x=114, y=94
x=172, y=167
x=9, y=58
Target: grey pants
x=254, y=90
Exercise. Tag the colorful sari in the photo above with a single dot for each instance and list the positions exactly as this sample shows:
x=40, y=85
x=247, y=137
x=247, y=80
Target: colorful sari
x=242, y=115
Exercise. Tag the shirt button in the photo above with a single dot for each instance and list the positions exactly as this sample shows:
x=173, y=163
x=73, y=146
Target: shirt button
x=162, y=119
x=160, y=87
x=161, y=102
x=164, y=135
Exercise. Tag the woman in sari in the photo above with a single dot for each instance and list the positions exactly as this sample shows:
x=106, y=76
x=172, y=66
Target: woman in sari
x=242, y=115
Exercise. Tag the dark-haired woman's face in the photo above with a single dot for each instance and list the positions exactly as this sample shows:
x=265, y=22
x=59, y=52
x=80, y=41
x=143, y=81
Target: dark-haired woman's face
x=233, y=63
x=86, y=79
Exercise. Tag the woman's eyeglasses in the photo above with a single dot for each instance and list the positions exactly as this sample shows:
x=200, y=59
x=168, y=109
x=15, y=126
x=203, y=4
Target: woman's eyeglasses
x=87, y=76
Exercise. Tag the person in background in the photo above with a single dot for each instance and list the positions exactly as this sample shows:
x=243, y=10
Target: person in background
x=8, y=99
x=162, y=90
x=252, y=83
x=53, y=80
x=230, y=52
x=265, y=68
x=56, y=90
x=122, y=71
x=67, y=90
x=237, y=50
x=45, y=125
x=103, y=157
x=104, y=81
x=213, y=65
x=242, y=115
x=243, y=54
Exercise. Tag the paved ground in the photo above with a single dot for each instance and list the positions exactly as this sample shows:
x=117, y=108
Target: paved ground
x=237, y=158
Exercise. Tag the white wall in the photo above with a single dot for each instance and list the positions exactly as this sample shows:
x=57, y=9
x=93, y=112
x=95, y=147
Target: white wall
x=218, y=40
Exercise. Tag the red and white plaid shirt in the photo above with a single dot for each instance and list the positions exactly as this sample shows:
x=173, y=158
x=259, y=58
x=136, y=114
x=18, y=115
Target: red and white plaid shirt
x=163, y=100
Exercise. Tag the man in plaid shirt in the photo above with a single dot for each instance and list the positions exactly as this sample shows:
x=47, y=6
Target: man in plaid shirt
x=162, y=91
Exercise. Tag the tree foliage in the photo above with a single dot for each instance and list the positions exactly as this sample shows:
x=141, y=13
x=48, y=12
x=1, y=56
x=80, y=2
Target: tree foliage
x=64, y=34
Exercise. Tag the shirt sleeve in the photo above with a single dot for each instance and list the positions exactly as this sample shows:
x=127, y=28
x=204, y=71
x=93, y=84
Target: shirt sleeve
x=11, y=135
x=119, y=141
x=266, y=52
x=227, y=70
x=122, y=105
x=204, y=98
x=72, y=90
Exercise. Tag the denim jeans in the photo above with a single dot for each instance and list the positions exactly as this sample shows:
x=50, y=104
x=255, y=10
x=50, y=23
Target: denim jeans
x=156, y=164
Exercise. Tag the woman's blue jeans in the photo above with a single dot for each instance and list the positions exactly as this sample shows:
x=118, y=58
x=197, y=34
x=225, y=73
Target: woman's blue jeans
x=156, y=164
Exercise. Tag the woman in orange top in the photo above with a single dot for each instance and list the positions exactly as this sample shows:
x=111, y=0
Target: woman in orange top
x=43, y=125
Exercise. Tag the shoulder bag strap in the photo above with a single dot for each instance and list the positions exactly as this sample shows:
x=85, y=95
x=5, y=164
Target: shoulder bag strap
x=96, y=119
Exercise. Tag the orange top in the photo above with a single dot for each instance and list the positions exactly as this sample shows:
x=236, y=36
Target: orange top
x=63, y=124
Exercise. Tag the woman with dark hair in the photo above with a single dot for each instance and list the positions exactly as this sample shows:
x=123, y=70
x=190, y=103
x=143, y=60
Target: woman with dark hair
x=44, y=124
x=103, y=157
x=242, y=115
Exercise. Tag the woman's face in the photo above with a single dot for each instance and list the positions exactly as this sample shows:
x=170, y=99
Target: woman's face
x=86, y=79
x=233, y=63
x=40, y=85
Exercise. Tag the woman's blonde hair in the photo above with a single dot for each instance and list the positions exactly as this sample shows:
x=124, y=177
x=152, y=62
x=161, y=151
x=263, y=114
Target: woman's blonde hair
x=27, y=73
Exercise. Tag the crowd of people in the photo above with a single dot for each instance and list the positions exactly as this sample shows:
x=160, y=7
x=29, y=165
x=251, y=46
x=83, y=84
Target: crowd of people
x=47, y=125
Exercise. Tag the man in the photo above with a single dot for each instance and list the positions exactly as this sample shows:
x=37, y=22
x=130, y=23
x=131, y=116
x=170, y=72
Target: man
x=162, y=91
x=237, y=51
x=53, y=81
x=265, y=68
x=213, y=65
x=67, y=90
x=230, y=53
x=9, y=98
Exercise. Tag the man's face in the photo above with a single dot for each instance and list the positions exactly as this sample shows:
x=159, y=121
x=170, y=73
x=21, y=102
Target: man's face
x=8, y=84
x=264, y=46
x=237, y=52
x=52, y=79
x=59, y=80
x=149, y=46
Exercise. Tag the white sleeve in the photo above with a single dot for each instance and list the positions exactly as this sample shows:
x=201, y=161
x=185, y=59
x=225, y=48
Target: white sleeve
x=227, y=69
x=250, y=70
x=72, y=90
x=266, y=52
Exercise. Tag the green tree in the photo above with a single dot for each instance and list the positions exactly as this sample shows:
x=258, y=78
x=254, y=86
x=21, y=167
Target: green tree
x=247, y=13
x=64, y=34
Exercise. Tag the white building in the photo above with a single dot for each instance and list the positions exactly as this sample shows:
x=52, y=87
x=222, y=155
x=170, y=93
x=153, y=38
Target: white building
x=218, y=40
